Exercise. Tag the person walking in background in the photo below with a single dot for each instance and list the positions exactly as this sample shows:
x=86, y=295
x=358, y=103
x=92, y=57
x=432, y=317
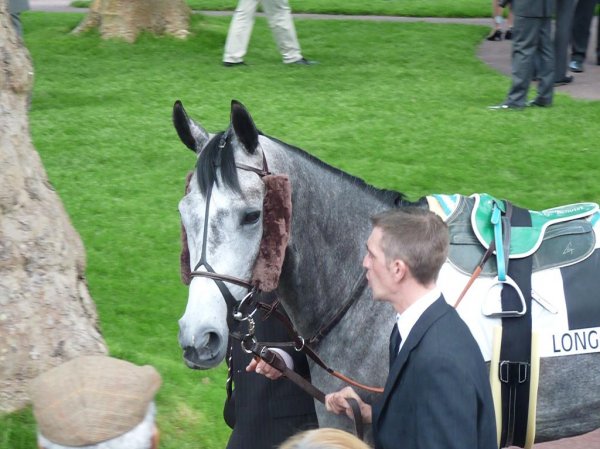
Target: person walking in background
x=15, y=7
x=580, y=36
x=498, y=16
x=98, y=402
x=279, y=16
x=532, y=41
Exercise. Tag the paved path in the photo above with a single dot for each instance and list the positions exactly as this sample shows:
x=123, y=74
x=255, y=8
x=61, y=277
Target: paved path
x=495, y=54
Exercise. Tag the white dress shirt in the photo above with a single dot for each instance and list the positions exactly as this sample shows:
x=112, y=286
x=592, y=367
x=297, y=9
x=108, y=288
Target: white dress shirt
x=406, y=320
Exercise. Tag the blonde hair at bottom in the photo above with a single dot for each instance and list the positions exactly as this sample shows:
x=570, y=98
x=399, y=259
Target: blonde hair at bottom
x=324, y=438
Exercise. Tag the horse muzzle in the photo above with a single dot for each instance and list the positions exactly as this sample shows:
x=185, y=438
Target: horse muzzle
x=203, y=349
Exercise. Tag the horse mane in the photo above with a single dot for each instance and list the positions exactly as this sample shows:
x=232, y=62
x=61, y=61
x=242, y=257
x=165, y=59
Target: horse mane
x=391, y=197
x=213, y=157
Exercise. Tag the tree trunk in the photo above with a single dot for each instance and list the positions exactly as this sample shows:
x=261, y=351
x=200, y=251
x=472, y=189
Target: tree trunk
x=46, y=313
x=124, y=19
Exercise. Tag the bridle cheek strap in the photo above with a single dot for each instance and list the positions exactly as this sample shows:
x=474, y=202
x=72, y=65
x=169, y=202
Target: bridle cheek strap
x=184, y=258
x=277, y=219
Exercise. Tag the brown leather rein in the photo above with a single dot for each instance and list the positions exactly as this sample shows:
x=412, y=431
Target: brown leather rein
x=261, y=350
x=298, y=342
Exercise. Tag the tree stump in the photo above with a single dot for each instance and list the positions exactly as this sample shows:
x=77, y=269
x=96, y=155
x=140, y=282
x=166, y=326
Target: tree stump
x=124, y=19
x=46, y=313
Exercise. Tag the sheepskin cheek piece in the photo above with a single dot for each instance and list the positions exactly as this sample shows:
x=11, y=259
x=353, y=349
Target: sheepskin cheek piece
x=277, y=218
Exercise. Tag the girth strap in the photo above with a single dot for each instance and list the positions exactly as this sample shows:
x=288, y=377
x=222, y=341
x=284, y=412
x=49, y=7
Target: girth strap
x=515, y=353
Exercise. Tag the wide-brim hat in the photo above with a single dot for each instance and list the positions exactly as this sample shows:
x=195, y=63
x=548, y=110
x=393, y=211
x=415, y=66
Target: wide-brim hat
x=92, y=399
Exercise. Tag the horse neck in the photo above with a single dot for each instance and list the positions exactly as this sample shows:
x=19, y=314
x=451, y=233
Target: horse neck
x=330, y=226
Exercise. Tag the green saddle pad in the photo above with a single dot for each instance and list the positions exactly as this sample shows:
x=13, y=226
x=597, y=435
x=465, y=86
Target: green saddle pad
x=563, y=243
x=524, y=241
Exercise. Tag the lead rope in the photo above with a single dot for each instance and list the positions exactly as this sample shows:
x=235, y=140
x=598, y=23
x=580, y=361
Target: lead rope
x=261, y=351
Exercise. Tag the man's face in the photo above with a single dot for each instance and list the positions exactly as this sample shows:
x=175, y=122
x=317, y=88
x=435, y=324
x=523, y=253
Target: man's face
x=379, y=272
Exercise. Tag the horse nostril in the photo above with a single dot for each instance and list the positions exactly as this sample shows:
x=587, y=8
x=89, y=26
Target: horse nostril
x=206, y=345
x=214, y=342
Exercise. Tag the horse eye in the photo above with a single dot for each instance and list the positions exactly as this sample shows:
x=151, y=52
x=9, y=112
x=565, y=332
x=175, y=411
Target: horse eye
x=251, y=217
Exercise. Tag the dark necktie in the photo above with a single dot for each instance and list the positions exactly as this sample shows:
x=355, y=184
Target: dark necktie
x=395, y=341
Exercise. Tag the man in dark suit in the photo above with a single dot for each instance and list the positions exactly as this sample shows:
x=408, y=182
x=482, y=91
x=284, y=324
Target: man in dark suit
x=532, y=43
x=562, y=36
x=437, y=394
x=263, y=413
x=584, y=12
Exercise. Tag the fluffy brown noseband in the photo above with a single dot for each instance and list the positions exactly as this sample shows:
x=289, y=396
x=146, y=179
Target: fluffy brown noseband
x=277, y=219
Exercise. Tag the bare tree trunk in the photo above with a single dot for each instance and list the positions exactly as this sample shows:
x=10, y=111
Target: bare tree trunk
x=46, y=313
x=124, y=19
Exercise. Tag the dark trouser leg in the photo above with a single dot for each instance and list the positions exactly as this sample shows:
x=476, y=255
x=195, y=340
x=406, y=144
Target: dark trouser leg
x=562, y=36
x=598, y=40
x=584, y=11
x=524, y=46
x=547, y=63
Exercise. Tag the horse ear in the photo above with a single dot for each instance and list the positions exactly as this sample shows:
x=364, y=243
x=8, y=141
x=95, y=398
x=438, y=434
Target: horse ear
x=243, y=126
x=191, y=133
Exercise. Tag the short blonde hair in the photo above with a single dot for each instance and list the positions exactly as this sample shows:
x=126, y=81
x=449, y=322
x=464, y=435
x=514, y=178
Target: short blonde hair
x=324, y=438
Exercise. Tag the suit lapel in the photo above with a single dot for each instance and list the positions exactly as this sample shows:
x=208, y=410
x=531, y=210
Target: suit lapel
x=430, y=316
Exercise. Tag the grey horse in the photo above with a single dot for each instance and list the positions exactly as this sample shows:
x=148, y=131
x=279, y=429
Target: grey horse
x=322, y=271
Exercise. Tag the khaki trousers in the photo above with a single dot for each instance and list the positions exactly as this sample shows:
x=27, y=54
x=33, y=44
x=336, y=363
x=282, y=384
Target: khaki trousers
x=279, y=16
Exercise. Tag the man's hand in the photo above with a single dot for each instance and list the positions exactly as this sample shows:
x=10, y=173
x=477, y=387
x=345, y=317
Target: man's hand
x=337, y=403
x=259, y=366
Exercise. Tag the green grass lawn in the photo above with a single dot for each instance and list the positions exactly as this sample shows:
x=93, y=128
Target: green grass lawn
x=402, y=105
x=416, y=8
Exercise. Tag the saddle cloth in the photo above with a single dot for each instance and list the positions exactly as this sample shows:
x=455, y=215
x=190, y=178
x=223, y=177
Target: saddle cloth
x=558, y=237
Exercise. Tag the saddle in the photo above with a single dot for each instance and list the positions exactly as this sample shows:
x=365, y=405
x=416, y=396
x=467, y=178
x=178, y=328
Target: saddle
x=558, y=237
x=534, y=240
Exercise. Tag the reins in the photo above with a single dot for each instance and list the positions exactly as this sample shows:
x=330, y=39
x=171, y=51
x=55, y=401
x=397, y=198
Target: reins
x=299, y=343
x=261, y=350
x=303, y=345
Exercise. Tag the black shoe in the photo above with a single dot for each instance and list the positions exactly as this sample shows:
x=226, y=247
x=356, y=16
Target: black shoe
x=508, y=34
x=504, y=107
x=538, y=103
x=233, y=64
x=576, y=66
x=304, y=61
x=563, y=82
x=495, y=35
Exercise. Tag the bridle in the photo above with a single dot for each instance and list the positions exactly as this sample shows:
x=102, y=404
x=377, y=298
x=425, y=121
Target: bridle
x=221, y=279
x=244, y=310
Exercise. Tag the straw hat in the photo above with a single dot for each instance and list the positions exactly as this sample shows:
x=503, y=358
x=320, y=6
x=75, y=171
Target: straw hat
x=92, y=399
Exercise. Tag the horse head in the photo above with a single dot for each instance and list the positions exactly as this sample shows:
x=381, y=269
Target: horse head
x=224, y=213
